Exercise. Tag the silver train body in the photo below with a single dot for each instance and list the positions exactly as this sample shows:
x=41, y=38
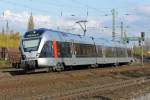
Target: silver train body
x=48, y=48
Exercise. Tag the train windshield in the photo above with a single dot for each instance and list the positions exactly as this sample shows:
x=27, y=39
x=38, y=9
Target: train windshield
x=31, y=45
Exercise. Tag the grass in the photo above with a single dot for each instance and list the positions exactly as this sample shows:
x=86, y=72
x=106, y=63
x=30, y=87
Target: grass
x=136, y=64
x=136, y=74
x=9, y=40
x=4, y=64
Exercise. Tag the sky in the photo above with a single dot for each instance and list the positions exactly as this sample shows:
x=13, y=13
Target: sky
x=63, y=14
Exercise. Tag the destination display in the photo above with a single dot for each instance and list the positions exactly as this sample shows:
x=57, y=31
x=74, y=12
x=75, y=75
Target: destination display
x=35, y=33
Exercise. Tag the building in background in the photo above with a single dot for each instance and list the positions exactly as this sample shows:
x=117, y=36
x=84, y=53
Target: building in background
x=30, y=23
x=147, y=46
x=8, y=39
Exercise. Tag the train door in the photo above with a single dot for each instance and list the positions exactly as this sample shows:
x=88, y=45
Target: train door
x=55, y=49
x=104, y=54
x=73, y=51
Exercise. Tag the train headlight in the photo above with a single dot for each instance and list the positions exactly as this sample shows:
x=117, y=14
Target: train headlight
x=23, y=57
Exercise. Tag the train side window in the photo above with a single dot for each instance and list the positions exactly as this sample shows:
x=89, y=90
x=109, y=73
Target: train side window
x=109, y=52
x=47, y=50
x=79, y=50
x=64, y=49
x=121, y=52
x=124, y=52
x=99, y=51
x=118, y=52
x=114, y=51
x=85, y=50
x=129, y=51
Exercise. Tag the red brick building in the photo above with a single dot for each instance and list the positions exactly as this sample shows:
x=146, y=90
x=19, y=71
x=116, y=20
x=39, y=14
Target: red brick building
x=3, y=53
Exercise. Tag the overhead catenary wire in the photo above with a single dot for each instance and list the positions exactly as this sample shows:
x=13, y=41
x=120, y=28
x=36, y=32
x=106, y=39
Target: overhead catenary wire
x=76, y=6
x=54, y=4
x=46, y=11
x=26, y=6
x=89, y=7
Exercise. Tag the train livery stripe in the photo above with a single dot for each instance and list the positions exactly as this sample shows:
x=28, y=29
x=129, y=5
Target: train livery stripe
x=55, y=49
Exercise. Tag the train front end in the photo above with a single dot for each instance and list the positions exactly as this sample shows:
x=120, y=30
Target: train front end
x=30, y=44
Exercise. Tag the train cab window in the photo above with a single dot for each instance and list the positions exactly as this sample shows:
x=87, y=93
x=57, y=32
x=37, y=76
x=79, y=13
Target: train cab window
x=47, y=50
x=31, y=44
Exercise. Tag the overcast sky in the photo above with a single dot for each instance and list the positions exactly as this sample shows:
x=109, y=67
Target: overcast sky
x=62, y=15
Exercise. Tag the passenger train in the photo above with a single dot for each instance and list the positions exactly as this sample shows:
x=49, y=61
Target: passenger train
x=46, y=48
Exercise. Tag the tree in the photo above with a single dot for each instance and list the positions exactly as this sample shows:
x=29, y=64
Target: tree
x=30, y=23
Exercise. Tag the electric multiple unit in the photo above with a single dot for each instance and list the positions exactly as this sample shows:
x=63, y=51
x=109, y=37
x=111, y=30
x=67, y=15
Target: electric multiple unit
x=55, y=49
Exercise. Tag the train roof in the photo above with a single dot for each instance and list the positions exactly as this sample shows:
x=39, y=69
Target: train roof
x=68, y=37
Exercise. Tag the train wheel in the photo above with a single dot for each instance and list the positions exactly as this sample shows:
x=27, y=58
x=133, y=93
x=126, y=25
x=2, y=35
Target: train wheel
x=49, y=69
x=59, y=67
x=94, y=66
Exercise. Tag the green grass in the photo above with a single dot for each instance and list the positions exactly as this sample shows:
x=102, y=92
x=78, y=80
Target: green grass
x=136, y=64
x=136, y=74
x=4, y=64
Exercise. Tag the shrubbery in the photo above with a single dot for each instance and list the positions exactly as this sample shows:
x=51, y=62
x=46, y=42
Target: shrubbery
x=9, y=40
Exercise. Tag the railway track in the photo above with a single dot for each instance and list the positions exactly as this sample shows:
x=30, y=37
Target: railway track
x=93, y=90
x=100, y=71
x=74, y=77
